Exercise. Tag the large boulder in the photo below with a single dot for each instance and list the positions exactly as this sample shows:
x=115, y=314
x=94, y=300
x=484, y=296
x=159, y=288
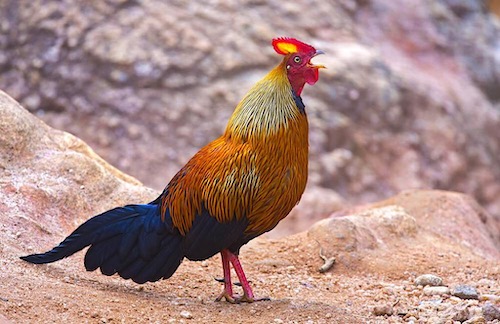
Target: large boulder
x=51, y=180
x=411, y=229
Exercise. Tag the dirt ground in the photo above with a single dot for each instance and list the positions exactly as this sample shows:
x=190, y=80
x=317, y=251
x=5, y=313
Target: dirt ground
x=286, y=270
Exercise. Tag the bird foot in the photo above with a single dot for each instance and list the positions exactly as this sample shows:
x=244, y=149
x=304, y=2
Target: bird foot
x=246, y=299
x=239, y=299
x=229, y=298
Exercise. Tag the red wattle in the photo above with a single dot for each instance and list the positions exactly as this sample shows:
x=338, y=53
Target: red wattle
x=311, y=76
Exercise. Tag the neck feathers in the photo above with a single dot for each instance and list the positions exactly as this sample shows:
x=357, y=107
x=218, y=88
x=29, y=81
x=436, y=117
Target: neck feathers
x=267, y=108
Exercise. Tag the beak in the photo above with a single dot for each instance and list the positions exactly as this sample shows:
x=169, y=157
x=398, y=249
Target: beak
x=319, y=66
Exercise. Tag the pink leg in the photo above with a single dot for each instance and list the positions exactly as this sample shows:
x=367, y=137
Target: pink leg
x=247, y=290
x=227, y=293
x=228, y=286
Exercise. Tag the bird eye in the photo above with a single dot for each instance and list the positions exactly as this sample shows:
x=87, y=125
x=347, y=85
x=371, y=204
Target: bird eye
x=297, y=59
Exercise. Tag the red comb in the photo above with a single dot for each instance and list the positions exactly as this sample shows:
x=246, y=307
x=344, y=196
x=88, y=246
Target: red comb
x=287, y=45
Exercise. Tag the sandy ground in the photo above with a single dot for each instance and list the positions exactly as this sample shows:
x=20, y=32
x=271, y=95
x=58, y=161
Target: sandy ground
x=286, y=270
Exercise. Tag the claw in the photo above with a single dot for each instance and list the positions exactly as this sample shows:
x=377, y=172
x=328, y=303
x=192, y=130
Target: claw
x=246, y=299
x=227, y=297
x=240, y=299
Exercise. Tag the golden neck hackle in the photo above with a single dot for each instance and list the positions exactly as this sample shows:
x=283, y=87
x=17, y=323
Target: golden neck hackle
x=257, y=116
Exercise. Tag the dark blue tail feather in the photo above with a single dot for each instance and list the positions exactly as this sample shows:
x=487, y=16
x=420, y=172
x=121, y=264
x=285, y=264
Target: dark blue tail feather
x=132, y=241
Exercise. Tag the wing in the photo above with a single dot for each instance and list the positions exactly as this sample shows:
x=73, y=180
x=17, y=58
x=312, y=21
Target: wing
x=219, y=182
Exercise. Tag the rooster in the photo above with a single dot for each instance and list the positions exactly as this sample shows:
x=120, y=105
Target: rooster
x=233, y=190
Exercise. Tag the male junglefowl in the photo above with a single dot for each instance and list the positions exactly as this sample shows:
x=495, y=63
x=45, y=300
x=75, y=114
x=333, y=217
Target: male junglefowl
x=233, y=190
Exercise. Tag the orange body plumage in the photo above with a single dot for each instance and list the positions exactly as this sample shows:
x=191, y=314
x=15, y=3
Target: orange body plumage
x=233, y=190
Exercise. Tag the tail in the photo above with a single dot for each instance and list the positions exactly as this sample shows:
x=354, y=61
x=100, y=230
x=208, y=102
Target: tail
x=132, y=241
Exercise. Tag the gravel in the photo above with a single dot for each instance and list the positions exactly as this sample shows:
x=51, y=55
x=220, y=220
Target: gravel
x=383, y=310
x=491, y=312
x=185, y=314
x=438, y=290
x=465, y=292
x=428, y=280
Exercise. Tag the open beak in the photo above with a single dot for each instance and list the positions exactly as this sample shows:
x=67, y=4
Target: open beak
x=317, y=66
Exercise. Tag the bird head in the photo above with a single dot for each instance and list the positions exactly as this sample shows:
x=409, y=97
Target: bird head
x=297, y=61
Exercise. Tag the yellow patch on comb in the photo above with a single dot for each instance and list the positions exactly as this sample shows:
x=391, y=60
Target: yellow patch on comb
x=286, y=48
x=286, y=45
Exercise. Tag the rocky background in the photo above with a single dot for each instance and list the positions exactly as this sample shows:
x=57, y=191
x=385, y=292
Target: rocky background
x=410, y=99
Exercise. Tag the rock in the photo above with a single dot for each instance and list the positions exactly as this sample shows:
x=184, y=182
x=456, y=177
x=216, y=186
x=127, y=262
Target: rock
x=51, y=182
x=411, y=319
x=461, y=314
x=465, y=292
x=438, y=290
x=490, y=297
x=366, y=229
x=383, y=310
x=430, y=208
x=186, y=314
x=53, y=179
x=474, y=309
x=491, y=312
x=437, y=311
x=411, y=223
x=428, y=280
x=476, y=320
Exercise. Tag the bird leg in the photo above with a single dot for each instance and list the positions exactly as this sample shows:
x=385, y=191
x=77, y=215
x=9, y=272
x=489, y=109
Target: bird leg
x=247, y=290
x=227, y=293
